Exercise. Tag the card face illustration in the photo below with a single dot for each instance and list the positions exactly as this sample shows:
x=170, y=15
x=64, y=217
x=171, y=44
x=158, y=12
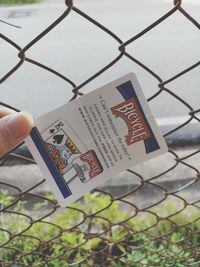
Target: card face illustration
x=81, y=144
x=60, y=145
x=87, y=166
x=68, y=158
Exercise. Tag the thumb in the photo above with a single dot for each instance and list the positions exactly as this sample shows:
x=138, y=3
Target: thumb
x=13, y=129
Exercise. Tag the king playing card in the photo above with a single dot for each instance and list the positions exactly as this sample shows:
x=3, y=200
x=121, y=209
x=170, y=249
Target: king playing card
x=91, y=139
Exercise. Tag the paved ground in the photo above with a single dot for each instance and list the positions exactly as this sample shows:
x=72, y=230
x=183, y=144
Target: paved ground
x=26, y=176
x=73, y=48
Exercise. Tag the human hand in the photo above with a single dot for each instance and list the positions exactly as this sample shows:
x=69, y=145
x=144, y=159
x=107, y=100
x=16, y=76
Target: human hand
x=14, y=127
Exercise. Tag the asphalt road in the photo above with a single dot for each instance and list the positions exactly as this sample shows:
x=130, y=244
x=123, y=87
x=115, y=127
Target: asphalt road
x=78, y=49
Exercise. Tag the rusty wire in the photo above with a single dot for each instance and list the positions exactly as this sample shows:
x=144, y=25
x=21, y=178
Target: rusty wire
x=148, y=239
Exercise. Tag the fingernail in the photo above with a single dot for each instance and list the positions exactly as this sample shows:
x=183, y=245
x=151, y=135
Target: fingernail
x=18, y=124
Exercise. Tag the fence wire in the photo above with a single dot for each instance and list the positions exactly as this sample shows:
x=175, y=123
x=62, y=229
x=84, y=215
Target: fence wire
x=106, y=228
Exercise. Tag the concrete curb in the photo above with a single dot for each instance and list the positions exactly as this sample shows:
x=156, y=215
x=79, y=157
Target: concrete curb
x=26, y=176
x=181, y=139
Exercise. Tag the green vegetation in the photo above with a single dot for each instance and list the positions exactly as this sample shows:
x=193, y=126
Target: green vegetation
x=97, y=230
x=17, y=2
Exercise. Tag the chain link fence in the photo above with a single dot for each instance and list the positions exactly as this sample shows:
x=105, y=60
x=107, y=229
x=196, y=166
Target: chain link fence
x=150, y=222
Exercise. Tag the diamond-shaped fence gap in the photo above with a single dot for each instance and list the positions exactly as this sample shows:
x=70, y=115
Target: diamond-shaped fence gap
x=191, y=167
x=186, y=84
x=170, y=106
x=149, y=195
x=123, y=192
x=15, y=223
x=140, y=223
x=66, y=37
x=157, y=168
x=171, y=206
x=176, y=238
x=162, y=229
x=147, y=81
x=50, y=27
x=117, y=233
x=183, y=188
x=94, y=202
x=38, y=81
x=119, y=212
x=122, y=185
x=67, y=239
x=189, y=190
x=191, y=156
x=45, y=230
x=162, y=40
x=70, y=218
x=131, y=175
x=38, y=207
x=172, y=179
x=154, y=248
x=57, y=249
x=96, y=225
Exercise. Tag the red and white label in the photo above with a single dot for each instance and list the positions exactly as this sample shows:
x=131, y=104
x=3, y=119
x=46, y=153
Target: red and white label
x=130, y=113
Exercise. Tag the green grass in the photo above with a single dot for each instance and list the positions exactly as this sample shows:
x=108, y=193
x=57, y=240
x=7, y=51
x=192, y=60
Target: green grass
x=165, y=242
x=17, y=2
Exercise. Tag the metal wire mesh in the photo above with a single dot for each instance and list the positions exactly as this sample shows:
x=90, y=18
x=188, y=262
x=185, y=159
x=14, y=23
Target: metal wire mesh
x=121, y=230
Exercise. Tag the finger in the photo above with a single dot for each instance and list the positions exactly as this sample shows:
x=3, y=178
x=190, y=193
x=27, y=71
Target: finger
x=14, y=127
x=6, y=111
